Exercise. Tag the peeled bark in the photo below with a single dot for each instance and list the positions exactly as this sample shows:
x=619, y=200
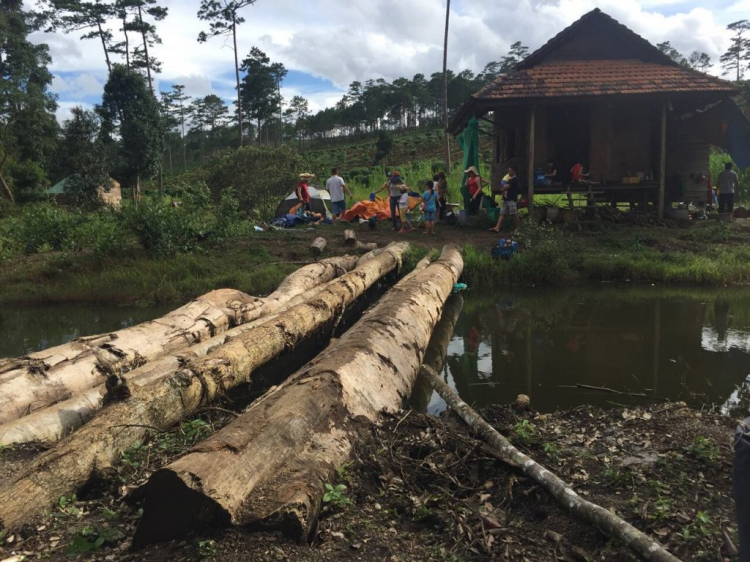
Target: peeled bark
x=59, y=420
x=436, y=352
x=607, y=521
x=269, y=466
x=318, y=246
x=40, y=379
x=99, y=445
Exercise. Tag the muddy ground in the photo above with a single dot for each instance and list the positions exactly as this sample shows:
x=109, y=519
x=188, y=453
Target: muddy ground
x=422, y=488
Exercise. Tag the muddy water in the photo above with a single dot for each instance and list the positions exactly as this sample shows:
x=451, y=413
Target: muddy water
x=604, y=345
x=24, y=329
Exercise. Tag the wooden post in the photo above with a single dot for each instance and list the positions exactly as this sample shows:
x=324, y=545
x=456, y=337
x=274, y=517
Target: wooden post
x=663, y=160
x=532, y=142
x=318, y=246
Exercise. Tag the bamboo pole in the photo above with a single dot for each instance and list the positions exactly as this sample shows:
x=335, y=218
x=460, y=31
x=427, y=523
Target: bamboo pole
x=663, y=159
x=530, y=166
x=607, y=521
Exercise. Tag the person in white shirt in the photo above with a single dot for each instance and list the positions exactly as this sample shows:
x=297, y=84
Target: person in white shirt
x=728, y=182
x=336, y=187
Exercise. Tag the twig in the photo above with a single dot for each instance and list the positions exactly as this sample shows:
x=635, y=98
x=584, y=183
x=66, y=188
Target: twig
x=610, y=390
x=395, y=429
x=215, y=409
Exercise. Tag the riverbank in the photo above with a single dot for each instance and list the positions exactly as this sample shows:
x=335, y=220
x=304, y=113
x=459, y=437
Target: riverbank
x=421, y=488
x=708, y=253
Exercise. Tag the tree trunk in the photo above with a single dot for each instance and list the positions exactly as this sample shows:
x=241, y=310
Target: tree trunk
x=145, y=51
x=350, y=238
x=365, y=245
x=318, y=246
x=607, y=521
x=436, y=352
x=104, y=46
x=6, y=188
x=59, y=420
x=127, y=42
x=38, y=380
x=446, y=140
x=237, y=76
x=99, y=445
x=269, y=465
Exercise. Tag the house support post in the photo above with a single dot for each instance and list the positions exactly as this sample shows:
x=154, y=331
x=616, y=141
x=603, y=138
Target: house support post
x=663, y=159
x=530, y=171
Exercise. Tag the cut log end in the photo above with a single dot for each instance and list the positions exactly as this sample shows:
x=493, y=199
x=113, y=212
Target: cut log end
x=190, y=510
x=318, y=246
x=350, y=238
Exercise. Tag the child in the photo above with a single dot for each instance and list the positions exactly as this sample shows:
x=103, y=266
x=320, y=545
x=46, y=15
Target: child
x=403, y=211
x=429, y=204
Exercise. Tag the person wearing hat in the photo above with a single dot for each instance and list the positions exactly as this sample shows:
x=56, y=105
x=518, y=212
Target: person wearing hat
x=474, y=183
x=302, y=191
x=396, y=187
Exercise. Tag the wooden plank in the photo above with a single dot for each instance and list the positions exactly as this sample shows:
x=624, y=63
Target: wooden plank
x=663, y=159
x=530, y=171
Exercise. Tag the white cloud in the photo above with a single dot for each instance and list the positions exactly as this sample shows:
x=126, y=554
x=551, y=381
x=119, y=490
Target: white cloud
x=346, y=40
x=64, y=109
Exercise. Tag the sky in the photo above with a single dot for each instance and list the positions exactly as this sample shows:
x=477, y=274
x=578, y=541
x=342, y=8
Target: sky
x=327, y=44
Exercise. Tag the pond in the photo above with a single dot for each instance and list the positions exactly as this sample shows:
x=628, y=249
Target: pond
x=24, y=329
x=603, y=345
x=600, y=345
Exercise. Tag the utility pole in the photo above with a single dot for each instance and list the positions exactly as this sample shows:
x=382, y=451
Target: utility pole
x=446, y=147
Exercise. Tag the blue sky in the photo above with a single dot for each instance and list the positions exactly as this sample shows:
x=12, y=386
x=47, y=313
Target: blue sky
x=326, y=44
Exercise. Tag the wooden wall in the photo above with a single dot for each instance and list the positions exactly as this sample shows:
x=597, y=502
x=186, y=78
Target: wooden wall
x=687, y=165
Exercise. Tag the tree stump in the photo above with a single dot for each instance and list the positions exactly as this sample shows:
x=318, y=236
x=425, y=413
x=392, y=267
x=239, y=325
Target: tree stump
x=318, y=246
x=350, y=239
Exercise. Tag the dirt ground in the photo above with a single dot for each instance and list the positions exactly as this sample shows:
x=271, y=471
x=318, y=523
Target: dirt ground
x=422, y=488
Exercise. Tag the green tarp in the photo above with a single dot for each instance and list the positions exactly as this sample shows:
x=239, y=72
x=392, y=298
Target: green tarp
x=469, y=143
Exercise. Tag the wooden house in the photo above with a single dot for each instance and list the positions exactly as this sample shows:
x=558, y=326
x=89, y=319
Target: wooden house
x=599, y=94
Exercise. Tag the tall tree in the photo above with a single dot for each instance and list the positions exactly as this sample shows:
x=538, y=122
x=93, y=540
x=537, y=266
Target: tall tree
x=259, y=93
x=131, y=120
x=223, y=17
x=84, y=158
x=699, y=61
x=446, y=140
x=27, y=121
x=297, y=112
x=173, y=104
x=74, y=15
x=736, y=57
x=667, y=48
x=518, y=51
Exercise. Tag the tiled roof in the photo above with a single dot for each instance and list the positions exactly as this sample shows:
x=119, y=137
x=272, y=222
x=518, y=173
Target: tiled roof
x=562, y=79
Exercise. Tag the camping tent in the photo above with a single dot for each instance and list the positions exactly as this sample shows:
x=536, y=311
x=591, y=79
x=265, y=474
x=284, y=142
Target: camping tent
x=320, y=200
x=111, y=197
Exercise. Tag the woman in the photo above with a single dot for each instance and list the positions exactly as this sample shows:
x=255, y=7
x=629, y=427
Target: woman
x=441, y=186
x=474, y=184
x=396, y=187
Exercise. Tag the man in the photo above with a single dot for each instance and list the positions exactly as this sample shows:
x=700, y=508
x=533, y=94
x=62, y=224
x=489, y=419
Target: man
x=302, y=190
x=728, y=181
x=336, y=187
x=510, y=193
x=396, y=187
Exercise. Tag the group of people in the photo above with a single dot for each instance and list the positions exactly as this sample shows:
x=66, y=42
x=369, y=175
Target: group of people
x=433, y=201
x=509, y=190
x=336, y=188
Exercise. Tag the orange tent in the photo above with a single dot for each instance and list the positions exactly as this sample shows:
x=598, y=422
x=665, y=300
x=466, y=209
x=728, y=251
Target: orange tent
x=379, y=208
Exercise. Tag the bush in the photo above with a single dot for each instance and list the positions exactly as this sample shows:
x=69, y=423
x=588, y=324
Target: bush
x=259, y=176
x=165, y=230
x=102, y=232
x=43, y=227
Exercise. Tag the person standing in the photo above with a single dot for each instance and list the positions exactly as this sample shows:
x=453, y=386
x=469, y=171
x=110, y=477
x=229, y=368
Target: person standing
x=728, y=182
x=441, y=187
x=303, y=191
x=510, y=198
x=429, y=200
x=403, y=209
x=336, y=187
x=474, y=184
x=395, y=186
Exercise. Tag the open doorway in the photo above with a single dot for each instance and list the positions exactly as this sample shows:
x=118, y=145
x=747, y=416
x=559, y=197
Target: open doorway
x=569, y=137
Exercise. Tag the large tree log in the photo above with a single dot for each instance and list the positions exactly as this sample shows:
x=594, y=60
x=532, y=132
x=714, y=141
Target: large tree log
x=436, y=352
x=164, y=403
x=59, y=420
x=607, y=521
x=270, y=465
x=40, y=379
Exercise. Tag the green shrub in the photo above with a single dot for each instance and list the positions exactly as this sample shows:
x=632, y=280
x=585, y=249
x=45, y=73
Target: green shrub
x=164, y=230
x=102, y=232
x=43, y=227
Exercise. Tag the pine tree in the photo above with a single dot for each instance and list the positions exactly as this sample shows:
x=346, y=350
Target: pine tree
x=736, y=57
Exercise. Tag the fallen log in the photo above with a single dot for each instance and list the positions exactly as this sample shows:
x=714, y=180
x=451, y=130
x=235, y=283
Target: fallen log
x=269, y=466
x=436, y=352
x=370, y=255
x=318, y=246
x=46, y=377
x=607, y=521
x=366, y=245
x=350, y=238
x=59, y=420
x=98, y=445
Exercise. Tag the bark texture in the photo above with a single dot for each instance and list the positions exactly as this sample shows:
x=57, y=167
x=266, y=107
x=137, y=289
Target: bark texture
x=43, y=378
x=269, y=466
x=99, y=445
x=318, y=246
x=350, y=238
x=59, y=420
x=607, y=521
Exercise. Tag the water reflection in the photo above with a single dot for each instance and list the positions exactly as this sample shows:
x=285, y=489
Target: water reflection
x=600, y=345
x=24, y=329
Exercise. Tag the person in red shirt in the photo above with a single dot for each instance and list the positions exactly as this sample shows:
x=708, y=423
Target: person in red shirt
x=474, y=184
x=303, y=192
